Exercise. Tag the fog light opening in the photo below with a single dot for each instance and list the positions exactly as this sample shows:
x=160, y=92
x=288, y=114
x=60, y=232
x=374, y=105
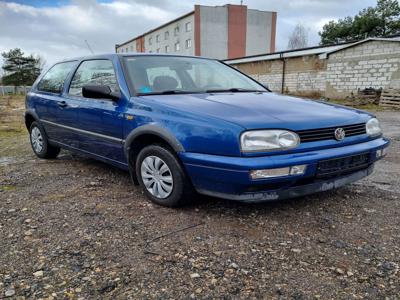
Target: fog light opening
x=381, y=153
x=278, y=172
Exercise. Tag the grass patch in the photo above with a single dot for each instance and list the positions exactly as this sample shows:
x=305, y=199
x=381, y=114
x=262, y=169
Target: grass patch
x=12, y=108
x=370, y=107
x=6, y=188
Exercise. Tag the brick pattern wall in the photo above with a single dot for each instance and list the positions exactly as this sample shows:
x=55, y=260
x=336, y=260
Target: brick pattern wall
x=372, y=64
x=303, y=75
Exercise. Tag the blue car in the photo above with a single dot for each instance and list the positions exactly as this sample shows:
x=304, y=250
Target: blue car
x=186, y=125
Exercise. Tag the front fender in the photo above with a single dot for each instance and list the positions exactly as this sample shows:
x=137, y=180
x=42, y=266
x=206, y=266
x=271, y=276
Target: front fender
x=156, y=130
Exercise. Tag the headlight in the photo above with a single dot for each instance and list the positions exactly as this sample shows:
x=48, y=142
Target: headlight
x=267, y=140
x=373, y=127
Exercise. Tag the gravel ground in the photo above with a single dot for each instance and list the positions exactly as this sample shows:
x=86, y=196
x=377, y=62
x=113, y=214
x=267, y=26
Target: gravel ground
x=76, y=228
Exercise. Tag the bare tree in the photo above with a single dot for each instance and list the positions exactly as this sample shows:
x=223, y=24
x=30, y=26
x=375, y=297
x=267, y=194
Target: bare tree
x=298, y=38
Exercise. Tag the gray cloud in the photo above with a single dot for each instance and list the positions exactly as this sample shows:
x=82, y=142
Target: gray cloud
x=60, y=32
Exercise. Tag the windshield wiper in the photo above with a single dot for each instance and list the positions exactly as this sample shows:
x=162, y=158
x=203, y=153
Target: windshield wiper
x=234, y=90
x=167, y=92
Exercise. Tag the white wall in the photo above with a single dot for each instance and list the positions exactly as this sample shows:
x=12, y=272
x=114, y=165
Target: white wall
x=258, y=34
x=371, y=64
x=173, y=39
x=214, y=31
x=128, y=47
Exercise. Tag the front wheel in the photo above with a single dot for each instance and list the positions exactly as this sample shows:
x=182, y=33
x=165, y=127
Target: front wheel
x=40, y=144
x=162, y=178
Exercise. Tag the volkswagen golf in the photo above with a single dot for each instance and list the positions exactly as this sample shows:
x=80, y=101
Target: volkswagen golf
x=185, y=125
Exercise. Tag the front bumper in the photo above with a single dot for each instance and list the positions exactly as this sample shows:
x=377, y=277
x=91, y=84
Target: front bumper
x=228, y=177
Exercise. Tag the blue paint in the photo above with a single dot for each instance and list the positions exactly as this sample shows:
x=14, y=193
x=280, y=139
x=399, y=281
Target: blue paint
x=206, y=125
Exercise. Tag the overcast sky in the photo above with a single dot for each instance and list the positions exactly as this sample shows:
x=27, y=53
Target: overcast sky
x=58, y=29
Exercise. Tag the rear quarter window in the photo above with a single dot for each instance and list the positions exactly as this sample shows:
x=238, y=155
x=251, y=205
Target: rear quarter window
x=53, y=80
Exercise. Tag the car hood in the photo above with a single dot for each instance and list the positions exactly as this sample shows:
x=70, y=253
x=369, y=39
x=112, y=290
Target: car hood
x=264, y=110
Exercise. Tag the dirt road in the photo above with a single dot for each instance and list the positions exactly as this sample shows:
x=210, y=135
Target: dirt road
x=77, y=228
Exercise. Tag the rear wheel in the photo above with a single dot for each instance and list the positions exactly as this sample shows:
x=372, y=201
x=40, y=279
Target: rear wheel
x=40, y=144
x=162, y=177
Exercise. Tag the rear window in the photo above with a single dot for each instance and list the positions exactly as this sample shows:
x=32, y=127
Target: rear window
x=53, y=80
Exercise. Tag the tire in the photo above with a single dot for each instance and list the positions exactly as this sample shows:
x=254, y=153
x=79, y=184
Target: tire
x=174, y=192
x=40, y=144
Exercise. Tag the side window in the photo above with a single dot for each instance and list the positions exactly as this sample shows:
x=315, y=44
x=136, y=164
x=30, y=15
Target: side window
x=93, y=72
x=54, y=79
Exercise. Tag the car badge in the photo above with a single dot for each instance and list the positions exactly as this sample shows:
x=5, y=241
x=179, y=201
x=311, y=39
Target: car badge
x=339, y=134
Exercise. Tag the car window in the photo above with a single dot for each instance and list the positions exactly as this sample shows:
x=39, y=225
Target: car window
x=160, y=74
x=54, y=79
x=93, y=72
x=156, y=77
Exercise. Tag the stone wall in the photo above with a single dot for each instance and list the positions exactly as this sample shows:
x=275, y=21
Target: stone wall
x=373, y=63
x=303, y=75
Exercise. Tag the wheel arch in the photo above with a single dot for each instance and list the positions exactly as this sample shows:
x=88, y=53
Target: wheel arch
x=30, y=117
x=147, y=135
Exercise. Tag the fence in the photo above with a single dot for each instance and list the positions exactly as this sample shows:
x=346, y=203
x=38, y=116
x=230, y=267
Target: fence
x=11, y=90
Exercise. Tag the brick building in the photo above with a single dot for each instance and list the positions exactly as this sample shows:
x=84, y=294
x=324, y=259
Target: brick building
x=333, y=71
x=220, y=32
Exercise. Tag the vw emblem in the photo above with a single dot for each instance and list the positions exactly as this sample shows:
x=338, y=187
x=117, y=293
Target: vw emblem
x=339, y=134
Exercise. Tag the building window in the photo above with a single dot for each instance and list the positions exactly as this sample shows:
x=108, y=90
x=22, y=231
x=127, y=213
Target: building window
x=188, y=43
x=176, y=30
x=166, y=49
x=150, y=40
x=177, y=46
x=188, y=26
x=131, y=48
x=150, y=51
x=158, y=50
x=127, y=50
x=166, y=35
x=157, y=38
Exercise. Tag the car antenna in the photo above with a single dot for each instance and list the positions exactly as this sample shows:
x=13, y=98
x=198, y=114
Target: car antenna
x=90, y=49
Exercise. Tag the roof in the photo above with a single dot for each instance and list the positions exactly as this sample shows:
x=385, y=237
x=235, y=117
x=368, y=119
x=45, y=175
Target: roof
x=323, y=51
x=394, y=39
x=157, y=28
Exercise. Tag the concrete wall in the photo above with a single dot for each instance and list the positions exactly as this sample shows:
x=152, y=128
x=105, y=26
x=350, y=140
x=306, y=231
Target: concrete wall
x=259, y=32
x=371, y=64
x=155, y=46
x=180, y=38
x=374, y=63
x=219, y=32
x=128, y=47
x=304, y=75
x=214, y=31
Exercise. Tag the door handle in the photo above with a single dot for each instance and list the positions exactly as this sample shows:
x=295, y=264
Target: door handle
x=62, y=104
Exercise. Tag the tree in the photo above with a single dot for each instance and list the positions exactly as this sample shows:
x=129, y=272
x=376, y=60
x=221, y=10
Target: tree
x=298, y=38
x=379, y=21
x=20, y=69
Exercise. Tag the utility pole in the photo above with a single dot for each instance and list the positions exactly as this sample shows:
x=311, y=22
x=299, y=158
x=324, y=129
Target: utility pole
x=90, y=49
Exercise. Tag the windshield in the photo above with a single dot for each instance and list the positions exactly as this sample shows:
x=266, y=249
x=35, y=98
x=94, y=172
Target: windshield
x=151, y=75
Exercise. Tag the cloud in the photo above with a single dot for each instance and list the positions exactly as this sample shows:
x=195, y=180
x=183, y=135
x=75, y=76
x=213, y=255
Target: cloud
x=59, y=30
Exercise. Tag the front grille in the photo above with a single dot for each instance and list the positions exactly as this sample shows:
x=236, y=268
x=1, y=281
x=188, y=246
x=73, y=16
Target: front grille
x=320, y=134
x=343, y=165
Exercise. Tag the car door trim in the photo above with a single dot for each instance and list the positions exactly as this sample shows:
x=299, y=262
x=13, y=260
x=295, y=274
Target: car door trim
x=103, y=136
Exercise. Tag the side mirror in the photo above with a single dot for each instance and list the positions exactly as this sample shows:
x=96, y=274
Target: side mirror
x=99, y=92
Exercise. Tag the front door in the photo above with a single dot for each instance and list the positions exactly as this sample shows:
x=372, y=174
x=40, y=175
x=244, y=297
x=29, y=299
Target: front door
x=99, y=120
